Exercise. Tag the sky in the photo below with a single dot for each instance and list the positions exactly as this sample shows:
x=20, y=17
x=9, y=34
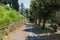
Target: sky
x=25, y=2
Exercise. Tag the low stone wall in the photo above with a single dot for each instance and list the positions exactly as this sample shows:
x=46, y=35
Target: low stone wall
x=12, y=26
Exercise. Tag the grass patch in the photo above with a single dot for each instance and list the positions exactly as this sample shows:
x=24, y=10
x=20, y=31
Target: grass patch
x=8, y=16
x=1, y=37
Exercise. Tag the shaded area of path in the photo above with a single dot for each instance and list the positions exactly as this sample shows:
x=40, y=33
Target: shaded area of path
x=36, y=33
x=31, y=32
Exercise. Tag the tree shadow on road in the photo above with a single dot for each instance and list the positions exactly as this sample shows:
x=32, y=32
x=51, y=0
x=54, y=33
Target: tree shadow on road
x=37, y=30
x=42, y=34
x=46, y=37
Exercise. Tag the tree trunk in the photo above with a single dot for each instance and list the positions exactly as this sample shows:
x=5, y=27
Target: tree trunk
x=43, y=27
x=35, y=21
x=55, y=28
x=39, y=22
x=10, y=4
x=44, y=21
x=51, y=23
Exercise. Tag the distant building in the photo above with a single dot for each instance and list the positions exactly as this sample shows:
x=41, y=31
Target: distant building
x=21, y=8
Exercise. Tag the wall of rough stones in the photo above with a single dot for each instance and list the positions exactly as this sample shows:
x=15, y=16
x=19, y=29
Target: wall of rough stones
x=12, y=26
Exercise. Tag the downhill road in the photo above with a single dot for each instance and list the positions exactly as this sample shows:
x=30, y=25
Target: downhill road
x=30, y=32
x=20, y=34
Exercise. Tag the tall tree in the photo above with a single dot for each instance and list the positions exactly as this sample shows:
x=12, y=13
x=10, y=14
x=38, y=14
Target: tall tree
x=15, y=4
x=43, y=9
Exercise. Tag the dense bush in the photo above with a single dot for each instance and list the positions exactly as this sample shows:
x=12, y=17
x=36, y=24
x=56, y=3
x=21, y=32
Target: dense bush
x=8, y=16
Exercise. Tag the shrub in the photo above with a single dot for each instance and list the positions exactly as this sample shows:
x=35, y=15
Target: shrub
x=8, y=16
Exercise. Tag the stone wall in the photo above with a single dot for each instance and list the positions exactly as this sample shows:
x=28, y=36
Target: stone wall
x=12, y=26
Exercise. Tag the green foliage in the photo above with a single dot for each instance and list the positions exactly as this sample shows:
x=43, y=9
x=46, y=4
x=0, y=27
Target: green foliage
x=44, y=10
x=1, y=37
x=3, y=33
x=7, y=32
x=58, y=17
x=8, y=16
x=14, y=3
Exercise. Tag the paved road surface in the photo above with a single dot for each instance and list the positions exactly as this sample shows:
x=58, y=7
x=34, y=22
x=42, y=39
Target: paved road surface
x=29, y=33
x=19, y=34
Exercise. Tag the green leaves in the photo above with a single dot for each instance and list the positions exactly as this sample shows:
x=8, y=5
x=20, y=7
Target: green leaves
x=8, y=16
x=44, y=9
